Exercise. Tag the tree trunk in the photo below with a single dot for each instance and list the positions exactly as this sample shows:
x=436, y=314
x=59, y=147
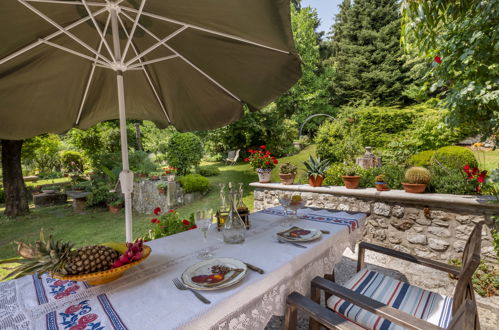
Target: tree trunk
x=16, y=194
x=138, y=136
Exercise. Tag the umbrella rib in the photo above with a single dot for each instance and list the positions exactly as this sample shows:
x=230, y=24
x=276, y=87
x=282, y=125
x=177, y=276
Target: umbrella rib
x=50, y=43
x=98, y=30
x=134, y=26
x=226, y=35
x=133, y=66
x=51, y=36
x=147, y=75
x=65, y=31
x=156, y=45
x=89, y=82
x=60, y=2
x=184, y=59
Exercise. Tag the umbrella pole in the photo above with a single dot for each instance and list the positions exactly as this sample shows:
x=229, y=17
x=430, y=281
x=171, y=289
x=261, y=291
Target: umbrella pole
x=126, y=176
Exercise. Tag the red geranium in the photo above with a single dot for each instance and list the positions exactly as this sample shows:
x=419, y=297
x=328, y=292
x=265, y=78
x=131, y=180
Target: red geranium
x=474, y=174
x=262, y=147
x=246, y=159
x=154, y=220
x=186, y=222
x=438, y=59
x=171, y=211
x=157, y=211
x=193, y=227
x=261, y=158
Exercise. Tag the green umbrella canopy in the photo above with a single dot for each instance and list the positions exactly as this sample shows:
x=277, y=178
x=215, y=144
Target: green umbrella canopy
x=192, y=64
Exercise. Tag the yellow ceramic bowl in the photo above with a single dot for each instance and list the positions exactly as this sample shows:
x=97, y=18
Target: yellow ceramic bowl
x=105, y=276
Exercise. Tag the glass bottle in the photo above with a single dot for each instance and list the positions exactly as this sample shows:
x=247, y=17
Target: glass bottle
x=223, y=211
x=234, y=227
x=242, y=209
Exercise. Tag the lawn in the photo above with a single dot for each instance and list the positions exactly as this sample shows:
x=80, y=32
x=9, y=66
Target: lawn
x=487, y=160
x=97, y=225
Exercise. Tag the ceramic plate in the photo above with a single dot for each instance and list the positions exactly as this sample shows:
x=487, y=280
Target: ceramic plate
x=205, y=276
x=297, y=234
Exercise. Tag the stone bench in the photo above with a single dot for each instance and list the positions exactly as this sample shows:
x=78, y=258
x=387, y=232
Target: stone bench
x=43, y=199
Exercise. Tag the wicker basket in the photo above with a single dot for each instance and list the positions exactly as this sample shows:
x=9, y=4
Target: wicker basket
x=105, y=276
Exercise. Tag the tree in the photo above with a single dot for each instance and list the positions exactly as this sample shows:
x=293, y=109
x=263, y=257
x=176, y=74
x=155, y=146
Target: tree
x=368, y=56
x=16, y=194
x=459, y=39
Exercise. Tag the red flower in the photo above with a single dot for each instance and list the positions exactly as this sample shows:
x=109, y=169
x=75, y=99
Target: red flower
x=193, y=227
x=481, y=177
x=85, y=319
x=474, y=170
x=186, y=222
x=275, y=161
x=171, y=211
x=466, y=168
x=246, y=159
x=438, y=59
x=154, y=220
x=267, y=152
x=72, y=309
x=157, y=211
x=262, y=147
x=250, y=151
x=267, y=163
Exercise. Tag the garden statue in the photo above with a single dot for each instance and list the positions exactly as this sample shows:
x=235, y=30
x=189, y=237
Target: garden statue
x=369, y=160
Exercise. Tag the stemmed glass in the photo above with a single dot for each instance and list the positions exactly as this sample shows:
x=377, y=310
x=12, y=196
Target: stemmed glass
x=204, y=219
x=285, y=200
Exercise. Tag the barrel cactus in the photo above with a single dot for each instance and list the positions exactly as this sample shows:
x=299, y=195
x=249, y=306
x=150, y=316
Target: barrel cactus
x=418, y=175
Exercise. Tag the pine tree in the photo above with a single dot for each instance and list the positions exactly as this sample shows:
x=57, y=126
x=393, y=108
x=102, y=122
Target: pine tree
x=367, y=53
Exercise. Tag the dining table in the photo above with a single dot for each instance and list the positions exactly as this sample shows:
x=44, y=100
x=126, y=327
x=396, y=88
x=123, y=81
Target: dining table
x=145, y=297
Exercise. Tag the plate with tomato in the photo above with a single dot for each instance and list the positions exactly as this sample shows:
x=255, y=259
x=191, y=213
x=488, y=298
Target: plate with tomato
x=214, y=274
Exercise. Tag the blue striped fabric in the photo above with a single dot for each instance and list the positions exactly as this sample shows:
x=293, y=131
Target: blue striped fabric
x=430, y=306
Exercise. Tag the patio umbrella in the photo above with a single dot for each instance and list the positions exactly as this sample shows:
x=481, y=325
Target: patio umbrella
x=191, y=64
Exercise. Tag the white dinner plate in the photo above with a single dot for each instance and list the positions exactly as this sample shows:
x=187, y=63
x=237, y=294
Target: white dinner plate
x=205, y=268
x=288, y=234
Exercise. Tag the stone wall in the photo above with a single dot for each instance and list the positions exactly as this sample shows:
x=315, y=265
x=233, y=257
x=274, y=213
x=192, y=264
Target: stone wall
x=146, y=197
x=428, y=225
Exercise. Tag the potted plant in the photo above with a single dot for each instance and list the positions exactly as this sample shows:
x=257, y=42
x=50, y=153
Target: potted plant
x=162, y=187
x=416, y=180
x=169, y=173
x=316, y=170
x=154, y=176
x=115, y=204
x=288, y=173
x=351, y=179
x=263, y=162
x=380, y=183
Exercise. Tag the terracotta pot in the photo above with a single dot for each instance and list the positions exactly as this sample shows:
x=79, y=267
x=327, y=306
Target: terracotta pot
x=382, y=186
x=264, y=174
x=351, y=182
x=315, y=182
x=114, y=209
x=154, y=177
x=287, y=178
x=414, y=188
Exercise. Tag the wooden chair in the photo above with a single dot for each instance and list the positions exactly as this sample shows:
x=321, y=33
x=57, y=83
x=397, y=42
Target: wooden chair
x=232, y=156
x=371, y=299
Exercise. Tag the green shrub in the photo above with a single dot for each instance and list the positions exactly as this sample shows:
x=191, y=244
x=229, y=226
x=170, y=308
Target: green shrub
x=449, y=181
x=72, y=161
x=337, y=141
x=393, y=174
x=334, y=174
x=194, y=182
x=211, y=170
x=99, y=193
x=184, y=151
x=422, y=158
x=453, y=157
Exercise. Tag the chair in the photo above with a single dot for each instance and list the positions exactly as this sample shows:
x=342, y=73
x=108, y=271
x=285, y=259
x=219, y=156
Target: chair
x=370, y=299
x=232, y=156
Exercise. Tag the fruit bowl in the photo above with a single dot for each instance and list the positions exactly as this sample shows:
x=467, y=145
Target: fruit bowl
x=104, y=276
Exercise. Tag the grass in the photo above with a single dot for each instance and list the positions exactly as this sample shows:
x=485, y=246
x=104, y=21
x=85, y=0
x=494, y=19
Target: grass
x=48, y=181
x=487, y=160
x=97, y=225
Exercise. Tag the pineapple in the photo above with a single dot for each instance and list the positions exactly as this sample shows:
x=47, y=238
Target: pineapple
x=58, y=257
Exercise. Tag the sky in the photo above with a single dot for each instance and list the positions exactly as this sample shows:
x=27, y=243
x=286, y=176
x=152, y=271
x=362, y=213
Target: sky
x=326, y=9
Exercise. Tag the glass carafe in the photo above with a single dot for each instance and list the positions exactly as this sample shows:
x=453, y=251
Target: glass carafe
x=234, y=227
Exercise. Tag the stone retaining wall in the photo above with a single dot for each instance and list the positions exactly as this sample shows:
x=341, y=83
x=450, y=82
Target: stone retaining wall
x=428, y=225
x=146, y=197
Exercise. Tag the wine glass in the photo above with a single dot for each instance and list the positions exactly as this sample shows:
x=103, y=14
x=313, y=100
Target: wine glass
x=204, y=220
x=285, y=200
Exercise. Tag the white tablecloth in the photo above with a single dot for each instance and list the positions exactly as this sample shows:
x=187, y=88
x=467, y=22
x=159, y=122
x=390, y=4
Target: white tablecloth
x=145, y=297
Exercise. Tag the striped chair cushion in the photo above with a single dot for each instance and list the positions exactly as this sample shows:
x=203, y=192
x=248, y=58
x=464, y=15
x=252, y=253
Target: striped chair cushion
x=420, y=303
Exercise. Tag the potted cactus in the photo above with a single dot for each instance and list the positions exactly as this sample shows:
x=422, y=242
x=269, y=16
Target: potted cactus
x=287, y=173
x=316, y=170
x=380, y=183
x=351, y=179
x=416, y=180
